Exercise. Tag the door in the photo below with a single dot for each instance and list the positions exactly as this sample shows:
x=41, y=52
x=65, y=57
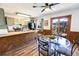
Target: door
x=60, y=25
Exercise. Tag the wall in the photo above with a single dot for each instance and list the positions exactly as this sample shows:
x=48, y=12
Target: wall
x=74, y=19
x=2, y=19
x=3, y=27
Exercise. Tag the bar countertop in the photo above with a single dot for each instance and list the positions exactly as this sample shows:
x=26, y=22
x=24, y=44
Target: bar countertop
x=15, y=40
x=17, y=33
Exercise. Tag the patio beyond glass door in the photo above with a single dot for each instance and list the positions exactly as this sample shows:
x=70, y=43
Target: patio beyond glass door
x=59, y=25
x=55, y=26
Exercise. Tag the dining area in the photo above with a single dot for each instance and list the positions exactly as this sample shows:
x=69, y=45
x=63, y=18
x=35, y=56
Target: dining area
x=51, y=34
x=56, y=45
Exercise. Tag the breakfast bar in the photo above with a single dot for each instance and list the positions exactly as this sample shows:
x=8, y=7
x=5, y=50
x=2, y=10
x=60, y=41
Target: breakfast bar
x=13, y=40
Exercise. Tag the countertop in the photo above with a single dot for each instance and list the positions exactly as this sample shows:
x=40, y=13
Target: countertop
x=17, y=33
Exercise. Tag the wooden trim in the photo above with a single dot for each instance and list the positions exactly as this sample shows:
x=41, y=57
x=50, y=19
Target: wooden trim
x=61, y=16
x=69, y=25
x=51, y=25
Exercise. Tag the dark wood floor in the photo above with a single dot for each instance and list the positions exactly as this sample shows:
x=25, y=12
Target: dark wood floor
x=30, y=49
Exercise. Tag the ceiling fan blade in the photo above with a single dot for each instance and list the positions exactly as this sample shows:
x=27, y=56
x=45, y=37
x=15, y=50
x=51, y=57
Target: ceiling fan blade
x=53, y=4
x=35, y=6
x=38, y=6
x=42, y=6
x=43, y=10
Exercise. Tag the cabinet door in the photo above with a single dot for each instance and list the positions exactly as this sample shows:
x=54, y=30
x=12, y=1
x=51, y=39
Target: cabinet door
x=10, y=21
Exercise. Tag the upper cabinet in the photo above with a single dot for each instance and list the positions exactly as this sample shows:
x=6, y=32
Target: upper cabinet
x=12, y=21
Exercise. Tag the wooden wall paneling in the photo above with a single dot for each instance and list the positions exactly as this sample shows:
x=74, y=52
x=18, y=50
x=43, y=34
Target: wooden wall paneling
x=45, y=32
x=73, y=36
x=16, y=41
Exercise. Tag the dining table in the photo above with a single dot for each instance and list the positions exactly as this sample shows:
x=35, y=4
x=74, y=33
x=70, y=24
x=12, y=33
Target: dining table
x=60, y=44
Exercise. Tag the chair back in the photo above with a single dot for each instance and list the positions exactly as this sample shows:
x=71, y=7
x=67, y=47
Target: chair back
x=73, y=48
x=42, y=42
x=75, y=43
x=44, y=47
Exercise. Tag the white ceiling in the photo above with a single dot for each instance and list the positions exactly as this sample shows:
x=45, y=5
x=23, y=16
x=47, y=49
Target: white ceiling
x=11, y=8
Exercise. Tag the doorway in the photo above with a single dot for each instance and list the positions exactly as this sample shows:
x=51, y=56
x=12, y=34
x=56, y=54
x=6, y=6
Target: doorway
x=61, y=25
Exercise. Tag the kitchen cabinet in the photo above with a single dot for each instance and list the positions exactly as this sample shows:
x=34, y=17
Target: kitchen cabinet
x=12, y=21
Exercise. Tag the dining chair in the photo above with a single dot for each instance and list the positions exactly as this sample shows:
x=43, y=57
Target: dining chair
x=76, y=41
x=66, y=52
x=44, y=48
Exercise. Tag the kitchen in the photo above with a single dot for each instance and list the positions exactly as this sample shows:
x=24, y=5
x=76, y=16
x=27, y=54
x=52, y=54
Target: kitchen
x=14, y=30
x=20, y=24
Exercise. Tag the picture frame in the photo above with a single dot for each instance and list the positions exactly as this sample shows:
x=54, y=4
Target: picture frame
x=46, y=22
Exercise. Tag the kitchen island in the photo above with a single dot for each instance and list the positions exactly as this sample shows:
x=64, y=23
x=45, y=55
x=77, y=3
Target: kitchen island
x=13, y=40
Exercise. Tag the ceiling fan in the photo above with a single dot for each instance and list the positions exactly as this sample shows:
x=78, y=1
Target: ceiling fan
x=47, y=5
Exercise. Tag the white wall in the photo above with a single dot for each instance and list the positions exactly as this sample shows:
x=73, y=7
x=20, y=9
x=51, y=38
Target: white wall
x=74, y=19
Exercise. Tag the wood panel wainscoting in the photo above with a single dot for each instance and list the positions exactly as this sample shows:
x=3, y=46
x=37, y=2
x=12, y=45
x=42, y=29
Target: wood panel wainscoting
x=9, y=43
x=45, y=32
x=73, y=36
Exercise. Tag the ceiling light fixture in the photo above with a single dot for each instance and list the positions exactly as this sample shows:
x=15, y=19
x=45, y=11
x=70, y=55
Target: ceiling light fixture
x=22, y=14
